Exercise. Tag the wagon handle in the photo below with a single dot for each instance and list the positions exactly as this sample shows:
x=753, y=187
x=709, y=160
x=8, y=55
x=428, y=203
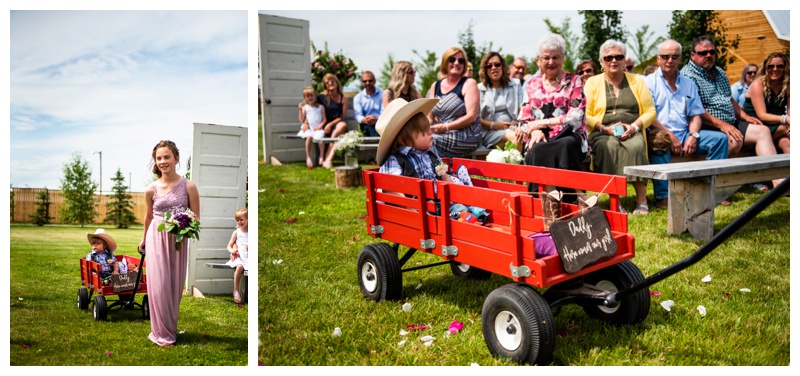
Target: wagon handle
x=613, y=299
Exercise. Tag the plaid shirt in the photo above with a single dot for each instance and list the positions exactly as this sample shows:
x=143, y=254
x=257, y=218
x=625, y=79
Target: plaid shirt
x=102, y=258
x=419, y=159
x=715, y=94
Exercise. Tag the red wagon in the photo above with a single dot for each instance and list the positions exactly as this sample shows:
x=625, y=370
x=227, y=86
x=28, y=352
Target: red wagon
x=126, y=289
x=517, y=319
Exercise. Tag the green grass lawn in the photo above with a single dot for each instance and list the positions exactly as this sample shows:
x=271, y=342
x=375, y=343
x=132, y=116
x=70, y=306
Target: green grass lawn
x=47, y=328
x=314, y=289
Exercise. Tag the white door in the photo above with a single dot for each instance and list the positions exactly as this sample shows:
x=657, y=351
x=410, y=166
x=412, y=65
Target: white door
x=219, y=169
x=285, y=60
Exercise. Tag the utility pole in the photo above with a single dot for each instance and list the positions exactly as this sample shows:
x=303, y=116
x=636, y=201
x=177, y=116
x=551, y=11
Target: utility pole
x=101, y=171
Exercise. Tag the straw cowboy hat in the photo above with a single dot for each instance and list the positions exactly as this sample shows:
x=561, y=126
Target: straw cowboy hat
x=394, y=117
x=100, y=233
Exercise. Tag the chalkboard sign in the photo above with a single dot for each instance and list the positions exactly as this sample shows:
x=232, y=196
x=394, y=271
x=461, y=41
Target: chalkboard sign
x=123, y=282
x=583, y=239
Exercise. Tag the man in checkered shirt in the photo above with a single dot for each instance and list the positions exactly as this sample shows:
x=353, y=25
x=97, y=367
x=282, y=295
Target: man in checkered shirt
x=722, y=111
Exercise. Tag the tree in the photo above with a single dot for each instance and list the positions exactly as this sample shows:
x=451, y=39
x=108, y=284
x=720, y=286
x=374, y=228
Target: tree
x=120, y=210
x=598, y=27
x=386, y=72
x=78, y=189
x=690, y=24
x=642, y=49
x=427, y=69
x=41, y=216
x=467, y=41
x=572, y=40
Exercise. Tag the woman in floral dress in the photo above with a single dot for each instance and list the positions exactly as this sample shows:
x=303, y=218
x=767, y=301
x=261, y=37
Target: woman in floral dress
x=166, y=264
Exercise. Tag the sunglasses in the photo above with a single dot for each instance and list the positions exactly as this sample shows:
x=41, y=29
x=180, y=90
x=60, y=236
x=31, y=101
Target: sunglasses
x=367, y=81
x=587, y=70
x=613, y=57
x=666, y=57
x=520, y=67
x=629, y=67
x=751, y=73
x=778, y=66
x=494, y=65
x=460, y=60
x=411, y=71
x=705, y=53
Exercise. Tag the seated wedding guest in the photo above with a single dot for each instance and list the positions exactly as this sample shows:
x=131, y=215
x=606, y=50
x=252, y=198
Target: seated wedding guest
x=401, y=84
x=768, y=98
x=500, y=102
x=740, y=87
x=455, y=122
x=586, y=69
x=619, y=108
x=368, y=105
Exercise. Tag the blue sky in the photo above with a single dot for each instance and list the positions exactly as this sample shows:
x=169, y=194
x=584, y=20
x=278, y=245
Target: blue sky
x=118, y=82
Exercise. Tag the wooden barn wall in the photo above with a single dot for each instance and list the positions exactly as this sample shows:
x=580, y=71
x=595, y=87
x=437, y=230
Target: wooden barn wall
x=749, y=25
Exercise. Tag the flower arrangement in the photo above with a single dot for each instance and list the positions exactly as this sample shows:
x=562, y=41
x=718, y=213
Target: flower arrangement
x=441, y=169
x=507, y=154
x=182, y=223
x=325, y=62
x=347, y=142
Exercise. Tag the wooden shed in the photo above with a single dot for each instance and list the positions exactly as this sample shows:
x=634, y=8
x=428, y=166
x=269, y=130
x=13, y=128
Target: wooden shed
x=762, y=32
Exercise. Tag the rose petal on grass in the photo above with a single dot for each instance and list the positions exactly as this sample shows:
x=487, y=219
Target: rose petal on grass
x=667, y=305
x=108, y=353
x=427, y=338
x=401, y=343
x=276, y=262
x=455, y=327
x=181, y=331
x=407, y=307
x=240, y=306
x=206, y=336
x=655, y=293
x=707, y=278
x=403, y=332
x=744, y=289
x=21, y=299
x=362, y=217
x=261, y=190
x=24, y=346
x=416, y=327
x=280, y=190
x=337, y=332
x=291, y=220
x=301, y=213
x=18, y=292
x=419, y=286
x=702, y=310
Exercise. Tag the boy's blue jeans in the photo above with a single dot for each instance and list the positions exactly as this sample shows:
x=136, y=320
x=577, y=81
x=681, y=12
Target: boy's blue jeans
x=712, y=143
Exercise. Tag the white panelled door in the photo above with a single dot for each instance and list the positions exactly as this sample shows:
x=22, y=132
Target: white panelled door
x=219, y=169
x=285, y=60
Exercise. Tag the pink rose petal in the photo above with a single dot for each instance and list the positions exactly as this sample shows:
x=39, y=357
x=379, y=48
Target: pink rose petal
x=417, y=327
x=24, y=346
x=455, y=327
x=291, y=220
x=206, y=336
x=108, y=353
x=655, y=293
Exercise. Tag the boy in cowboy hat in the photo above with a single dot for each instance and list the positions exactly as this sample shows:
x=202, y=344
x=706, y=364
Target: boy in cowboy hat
x=103, y=247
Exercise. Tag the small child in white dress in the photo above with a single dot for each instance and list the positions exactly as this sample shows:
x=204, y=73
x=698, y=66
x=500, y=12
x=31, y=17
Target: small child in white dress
x=237, y=246
x=312, y=117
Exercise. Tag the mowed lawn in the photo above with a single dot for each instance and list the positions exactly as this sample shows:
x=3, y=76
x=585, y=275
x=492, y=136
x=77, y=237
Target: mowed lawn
x=310, y=234
x=47, y=328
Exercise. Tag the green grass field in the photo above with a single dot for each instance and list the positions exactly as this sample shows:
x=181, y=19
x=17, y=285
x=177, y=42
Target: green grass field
x=47, y=328
x=308, y=286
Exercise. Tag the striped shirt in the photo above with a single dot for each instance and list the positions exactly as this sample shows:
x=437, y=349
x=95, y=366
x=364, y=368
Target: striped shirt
x=715, y=93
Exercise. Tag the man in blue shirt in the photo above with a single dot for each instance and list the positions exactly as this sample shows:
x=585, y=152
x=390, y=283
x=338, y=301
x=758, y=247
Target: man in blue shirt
x=368, y=105
x=679, y=110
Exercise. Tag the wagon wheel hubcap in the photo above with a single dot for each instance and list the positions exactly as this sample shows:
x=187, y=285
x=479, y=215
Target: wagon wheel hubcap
x=608, y=286
x=368, y=278
x=464, y=268
x=508, y=330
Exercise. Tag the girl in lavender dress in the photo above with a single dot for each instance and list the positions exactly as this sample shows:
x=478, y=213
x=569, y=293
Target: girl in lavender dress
x=166, y=265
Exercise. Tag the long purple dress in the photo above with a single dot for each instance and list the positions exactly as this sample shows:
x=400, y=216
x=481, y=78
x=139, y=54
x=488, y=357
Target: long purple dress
x=166, y=268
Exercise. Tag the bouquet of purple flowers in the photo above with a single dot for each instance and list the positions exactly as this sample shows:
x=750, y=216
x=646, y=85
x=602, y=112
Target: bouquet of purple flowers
x=182, y=223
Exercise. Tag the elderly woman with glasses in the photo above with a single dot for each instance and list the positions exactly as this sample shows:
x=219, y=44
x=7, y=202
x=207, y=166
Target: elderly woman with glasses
x=401, y=84
x=619, y=108
x=554, y=128
x=501, y=97
x=455, y=123
x=768, y=98
x=739, y=89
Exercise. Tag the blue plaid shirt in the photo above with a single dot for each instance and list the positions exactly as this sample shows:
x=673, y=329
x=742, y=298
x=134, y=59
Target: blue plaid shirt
x=102, y=259
x=419, y=159
x=714, y=93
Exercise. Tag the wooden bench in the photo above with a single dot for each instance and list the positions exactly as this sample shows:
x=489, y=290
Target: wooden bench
x=242, y=283
x=696, y=187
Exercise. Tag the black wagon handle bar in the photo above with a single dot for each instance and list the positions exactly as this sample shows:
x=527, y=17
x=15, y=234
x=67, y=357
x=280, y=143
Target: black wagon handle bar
x=613, y=299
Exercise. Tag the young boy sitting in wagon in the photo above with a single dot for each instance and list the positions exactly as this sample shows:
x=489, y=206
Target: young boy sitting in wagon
x=406, y=147
x=103, y=247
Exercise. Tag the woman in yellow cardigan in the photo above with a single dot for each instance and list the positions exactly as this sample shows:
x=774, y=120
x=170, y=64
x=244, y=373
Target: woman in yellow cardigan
x=619, y=108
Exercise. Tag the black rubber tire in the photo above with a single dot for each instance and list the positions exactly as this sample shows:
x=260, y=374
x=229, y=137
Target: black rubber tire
x=469, y=272
x=518, y=324
x=146, y=307
x=379, y=274
x=100, y=308
x=631, y=310
x=83, y=298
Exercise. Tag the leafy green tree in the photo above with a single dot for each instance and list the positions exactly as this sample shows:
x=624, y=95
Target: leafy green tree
x=386, y=72
x=688, y=25
x=427, y=69
x=572, y=40
x=41, y=216
x=642, y=49
x=78, y=189
x=466, y=39
x=598, y=27
x=120, y=209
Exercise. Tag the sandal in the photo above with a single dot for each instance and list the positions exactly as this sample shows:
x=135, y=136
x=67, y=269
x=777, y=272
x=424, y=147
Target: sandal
x=236, y=297
x=621, y=209
x=309, y=163
x=641, y=209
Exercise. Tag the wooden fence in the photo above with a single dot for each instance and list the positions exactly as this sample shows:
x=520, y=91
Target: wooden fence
x=24, y=205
